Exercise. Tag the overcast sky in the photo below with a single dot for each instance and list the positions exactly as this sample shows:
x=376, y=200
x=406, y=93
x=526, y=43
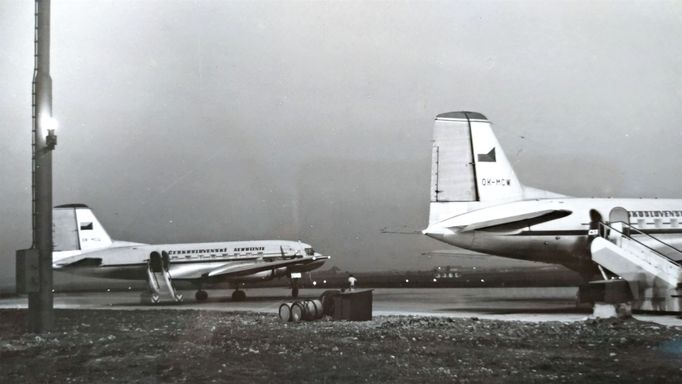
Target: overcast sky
x=186, y=121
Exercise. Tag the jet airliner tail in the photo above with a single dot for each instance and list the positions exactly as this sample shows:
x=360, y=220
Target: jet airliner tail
x=76, y=228
x=469, y=169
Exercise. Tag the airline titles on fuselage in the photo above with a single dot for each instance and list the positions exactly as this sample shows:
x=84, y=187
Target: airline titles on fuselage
x=215, y=252
x=655, y=213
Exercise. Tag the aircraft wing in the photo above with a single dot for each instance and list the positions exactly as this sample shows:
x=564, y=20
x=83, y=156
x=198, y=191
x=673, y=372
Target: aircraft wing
x=518, y=221
x=243, y=269
x=455, y=252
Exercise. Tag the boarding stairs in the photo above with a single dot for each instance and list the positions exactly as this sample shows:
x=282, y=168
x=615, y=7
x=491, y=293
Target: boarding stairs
x=651, y=267
x=161, y=286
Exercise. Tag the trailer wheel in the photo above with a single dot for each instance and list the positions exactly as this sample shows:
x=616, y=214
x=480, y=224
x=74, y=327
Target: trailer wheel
x=327, y=299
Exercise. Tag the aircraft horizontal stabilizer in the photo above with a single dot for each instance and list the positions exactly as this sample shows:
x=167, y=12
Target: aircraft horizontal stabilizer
x=518, y=221
x=78, y=261
x=230, y=270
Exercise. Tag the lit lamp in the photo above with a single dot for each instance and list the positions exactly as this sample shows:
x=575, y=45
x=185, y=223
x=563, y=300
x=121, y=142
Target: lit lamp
x=50, y=124
x=51, y=139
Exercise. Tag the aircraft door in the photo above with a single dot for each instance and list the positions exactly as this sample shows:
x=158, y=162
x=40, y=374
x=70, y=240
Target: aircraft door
x=155, y=262
x=619, y=214
x=619, y=219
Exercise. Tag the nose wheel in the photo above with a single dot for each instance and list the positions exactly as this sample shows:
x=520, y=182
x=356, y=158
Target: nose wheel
x=295, y=277
x=238, y=295
x=201, y=295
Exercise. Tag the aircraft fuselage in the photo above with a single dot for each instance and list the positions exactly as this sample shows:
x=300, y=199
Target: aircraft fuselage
x=187, y=261
x=563, y=240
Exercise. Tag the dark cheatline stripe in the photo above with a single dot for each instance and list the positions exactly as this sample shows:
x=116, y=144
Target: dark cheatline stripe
x=583, y=232
x=187, y=262
x=661, y=231
x=577, y=232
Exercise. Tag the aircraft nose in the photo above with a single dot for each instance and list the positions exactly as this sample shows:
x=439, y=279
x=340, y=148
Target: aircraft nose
x=318, y=255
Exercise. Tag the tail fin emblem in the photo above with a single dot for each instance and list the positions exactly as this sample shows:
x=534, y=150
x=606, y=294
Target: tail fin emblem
x=487, y=157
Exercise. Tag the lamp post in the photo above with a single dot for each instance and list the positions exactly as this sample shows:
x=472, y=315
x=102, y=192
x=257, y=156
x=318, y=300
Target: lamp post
x=40, y=301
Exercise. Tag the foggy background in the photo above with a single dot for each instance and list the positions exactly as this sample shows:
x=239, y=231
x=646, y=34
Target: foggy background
x=189, y=121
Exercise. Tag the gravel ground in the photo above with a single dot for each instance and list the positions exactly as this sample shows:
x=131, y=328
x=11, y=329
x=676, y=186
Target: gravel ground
x=102, y=346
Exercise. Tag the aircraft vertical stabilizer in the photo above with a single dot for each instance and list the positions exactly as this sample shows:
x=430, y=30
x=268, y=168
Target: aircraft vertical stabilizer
x=469, y=168
x=77, y=228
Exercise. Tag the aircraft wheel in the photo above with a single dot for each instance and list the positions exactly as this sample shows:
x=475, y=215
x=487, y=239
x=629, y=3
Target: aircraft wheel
x=327, y=299
x=238, y=296
x=201, y=295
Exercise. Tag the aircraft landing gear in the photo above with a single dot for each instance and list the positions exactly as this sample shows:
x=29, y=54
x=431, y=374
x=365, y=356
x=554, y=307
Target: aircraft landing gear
x=295, y=277
x=238, y=295
x=201, y=295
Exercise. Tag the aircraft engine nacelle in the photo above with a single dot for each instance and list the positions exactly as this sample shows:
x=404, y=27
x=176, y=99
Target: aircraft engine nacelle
x=307, y=267
x=264, y=275
x=279, y=272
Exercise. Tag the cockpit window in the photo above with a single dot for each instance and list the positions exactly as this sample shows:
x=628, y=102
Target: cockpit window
x=309, y=251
